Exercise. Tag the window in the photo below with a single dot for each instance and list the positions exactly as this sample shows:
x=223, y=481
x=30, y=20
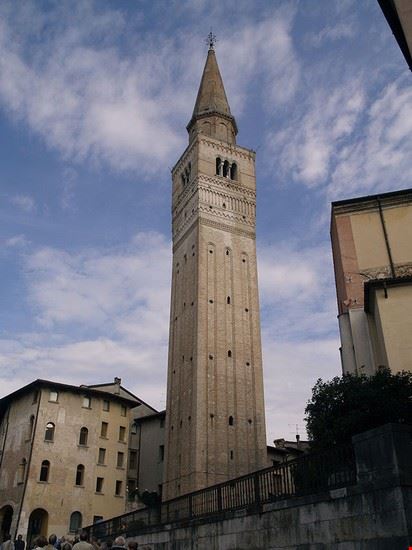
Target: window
x=131, y=488
x=102, y=456
x=123, y=410
x=122, y=433
x=84, y=434
x=49, y=433
x=99, y=484
x=80, y=475
x=87, y=402
x=233, y=171
x=226, y=169
x=133, y=460
x=103, y=431
x=161, y=453
x=106, y=405
x=228, y=300
x=133, y=428
x=120, y=460
x=53, y=396
x=31, y=426
x=231, y=421
x=35, y=396
x=75, y=522
x=96, y=519
x=118, y=489
x=218, y=167
x=45, y=470
x=21, y=471
x=229, y=353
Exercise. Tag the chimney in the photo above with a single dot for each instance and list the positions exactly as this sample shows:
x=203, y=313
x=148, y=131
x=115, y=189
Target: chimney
x=117, y=382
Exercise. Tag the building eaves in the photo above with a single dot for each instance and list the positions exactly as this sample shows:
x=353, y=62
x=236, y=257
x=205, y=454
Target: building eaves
x=86, y=390
x=398, y=26
x=160, y=414
x=373, y=284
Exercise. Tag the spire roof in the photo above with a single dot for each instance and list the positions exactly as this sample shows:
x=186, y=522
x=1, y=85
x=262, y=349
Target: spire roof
x=211, y=101
x=211, y=96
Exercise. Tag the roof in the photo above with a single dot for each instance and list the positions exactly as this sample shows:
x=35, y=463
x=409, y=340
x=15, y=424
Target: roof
x=211, y=97
x=373, y=284
x=367, y=198
x=160, y=414
x=399, y=19
x=85, y=390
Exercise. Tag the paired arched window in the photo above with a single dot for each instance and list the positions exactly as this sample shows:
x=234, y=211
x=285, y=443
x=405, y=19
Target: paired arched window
x=45, y=470
x=75, y=522
x=49, y=433
x=84, y=434
x=80, y=475
x=226, y=169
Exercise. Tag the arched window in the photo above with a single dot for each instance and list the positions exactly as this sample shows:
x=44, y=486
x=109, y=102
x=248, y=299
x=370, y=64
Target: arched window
x=228, y=300
x=45, y=470
x=21, y=471
x=233, y=171
x=75, y=522
x=84, y=434
x=218, y=167
x=230, y=420
x=49, y=433
x=226, y=169
x=31, y=427
x=80, y=475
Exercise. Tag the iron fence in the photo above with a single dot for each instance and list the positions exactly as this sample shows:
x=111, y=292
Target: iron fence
x=310, y=474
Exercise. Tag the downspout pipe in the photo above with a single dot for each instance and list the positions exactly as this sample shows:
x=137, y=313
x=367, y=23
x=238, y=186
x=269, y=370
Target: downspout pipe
x=385, y=234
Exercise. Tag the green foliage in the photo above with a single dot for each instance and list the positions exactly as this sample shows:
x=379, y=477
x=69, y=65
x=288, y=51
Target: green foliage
x=352, y=404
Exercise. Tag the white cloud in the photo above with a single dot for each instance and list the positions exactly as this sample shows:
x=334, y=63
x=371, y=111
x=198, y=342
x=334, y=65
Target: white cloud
x=25, y=202
x=379, y=158
x=89, y=98
x=17, y=241
x=331, y=33
x=307, y=147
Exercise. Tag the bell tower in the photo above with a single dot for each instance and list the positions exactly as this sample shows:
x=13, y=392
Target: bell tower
x=215, y=420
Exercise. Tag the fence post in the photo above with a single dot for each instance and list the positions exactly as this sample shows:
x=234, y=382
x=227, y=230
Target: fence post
x=190, y=507
x=257, y=488
x=219, y=499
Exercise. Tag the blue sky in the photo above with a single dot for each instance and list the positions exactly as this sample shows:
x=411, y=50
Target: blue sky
x=94, y=100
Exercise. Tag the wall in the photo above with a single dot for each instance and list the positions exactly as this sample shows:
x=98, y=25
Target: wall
x=374, y=514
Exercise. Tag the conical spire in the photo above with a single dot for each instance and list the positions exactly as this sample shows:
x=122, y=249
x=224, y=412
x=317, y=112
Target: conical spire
x=211, y=102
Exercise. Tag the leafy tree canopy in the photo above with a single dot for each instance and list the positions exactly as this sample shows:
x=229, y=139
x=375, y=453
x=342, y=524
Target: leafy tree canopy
x=352, y=404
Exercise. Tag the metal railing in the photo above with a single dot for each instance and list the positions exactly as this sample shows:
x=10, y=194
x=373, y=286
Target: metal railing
x=310, y=474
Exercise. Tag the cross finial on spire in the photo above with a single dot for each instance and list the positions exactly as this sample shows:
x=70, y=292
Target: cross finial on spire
x=211, y=40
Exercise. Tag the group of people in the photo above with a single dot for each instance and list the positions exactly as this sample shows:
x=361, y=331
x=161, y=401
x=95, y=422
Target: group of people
x=80, y=542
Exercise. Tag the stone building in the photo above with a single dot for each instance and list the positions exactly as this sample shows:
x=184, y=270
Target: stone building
x=67, y=455
x=372, y=253
x=215, y=421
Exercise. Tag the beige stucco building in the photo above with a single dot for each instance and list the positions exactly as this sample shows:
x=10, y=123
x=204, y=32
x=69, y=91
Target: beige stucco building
x=66, y=456
x=215, y=421
x=372, y=252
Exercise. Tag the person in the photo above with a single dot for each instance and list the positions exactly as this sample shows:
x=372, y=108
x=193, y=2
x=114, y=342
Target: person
x=132, y=545
x=66, y=546
x=19, y=543
x=83, y=544
x=119, y=544
x=7, y=543
x=106, y=544
x=40, y=543
x=95, y=543
x=52, y=542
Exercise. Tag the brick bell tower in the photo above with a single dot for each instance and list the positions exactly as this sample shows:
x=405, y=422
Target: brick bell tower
x=215, y=422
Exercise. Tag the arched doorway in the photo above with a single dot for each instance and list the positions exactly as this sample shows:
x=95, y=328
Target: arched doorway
x=38, y=521
x=6, y=516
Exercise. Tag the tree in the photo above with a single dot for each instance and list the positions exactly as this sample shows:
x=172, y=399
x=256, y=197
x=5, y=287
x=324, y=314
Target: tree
x=352, y=404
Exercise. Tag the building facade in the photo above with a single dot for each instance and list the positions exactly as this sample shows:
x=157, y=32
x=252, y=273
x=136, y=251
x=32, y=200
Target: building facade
x=64, y=456
x=372, y=253
x=215, y=421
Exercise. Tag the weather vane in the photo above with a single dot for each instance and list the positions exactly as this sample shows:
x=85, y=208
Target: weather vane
x=211, y=40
